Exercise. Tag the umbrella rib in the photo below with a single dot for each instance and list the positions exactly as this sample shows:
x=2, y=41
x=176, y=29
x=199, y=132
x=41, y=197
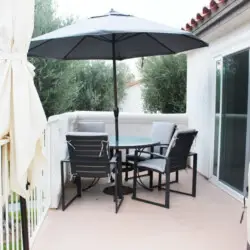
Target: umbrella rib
x=101, y=38
x=128, y=37
x=121, y=37
x=162, y=44
x=74, y=47
x=197, y=40
x=40, y=44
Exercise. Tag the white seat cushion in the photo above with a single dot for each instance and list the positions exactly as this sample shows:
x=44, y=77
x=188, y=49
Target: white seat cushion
x=154, y=164
x=87, y=134
x=162, y=132
x=85, y=126
x=141, y=156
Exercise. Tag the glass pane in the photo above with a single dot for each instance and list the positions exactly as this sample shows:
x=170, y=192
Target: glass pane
x=217, y=114
x=234, y=119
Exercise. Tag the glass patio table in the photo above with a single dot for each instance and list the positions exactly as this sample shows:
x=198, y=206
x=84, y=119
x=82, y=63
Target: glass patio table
x=127, y=142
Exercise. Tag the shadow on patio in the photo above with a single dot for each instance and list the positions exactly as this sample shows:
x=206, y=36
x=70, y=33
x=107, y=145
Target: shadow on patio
x=209, y=221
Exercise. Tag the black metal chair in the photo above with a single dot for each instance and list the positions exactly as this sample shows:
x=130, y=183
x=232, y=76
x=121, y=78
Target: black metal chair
x=174, y=160
x=161, y=131
x=89, y=157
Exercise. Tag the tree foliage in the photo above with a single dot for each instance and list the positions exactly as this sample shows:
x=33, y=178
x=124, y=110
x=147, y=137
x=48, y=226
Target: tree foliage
x=48, y=72
x=71, y=85
x=90, y=86
x=164, y=84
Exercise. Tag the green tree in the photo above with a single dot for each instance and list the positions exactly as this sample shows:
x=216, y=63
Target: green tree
x=164, y=83
x=72, y=85
x=48, y=72
x=90, y=86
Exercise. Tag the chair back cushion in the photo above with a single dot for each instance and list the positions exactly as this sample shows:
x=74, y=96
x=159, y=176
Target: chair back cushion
x=89, y=153
x=90, y=126
x=180, y=147
x=162, y=132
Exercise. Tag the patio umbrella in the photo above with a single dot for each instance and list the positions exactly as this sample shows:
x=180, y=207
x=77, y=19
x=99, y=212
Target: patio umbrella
x=22, y=118
x=113, y=36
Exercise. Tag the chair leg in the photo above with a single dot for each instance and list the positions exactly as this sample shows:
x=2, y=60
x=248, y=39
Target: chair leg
x=134, y=181
x=165, y=204
x=126, y=166
x=78, y=186
x=116, y=191
x=126, y=172
x=119, y=177
x=194, y=179
x=177, y=176
x=159, y=181
x=64, y=205
x=194, y=182
x=118, y=183
x=167, y=186
x=111, y=155
x=62, y=186
x=150, y=179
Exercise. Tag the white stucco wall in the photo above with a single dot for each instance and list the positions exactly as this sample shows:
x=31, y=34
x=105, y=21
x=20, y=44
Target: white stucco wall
x=199, y=103
x=226, y=38
x=133, y=102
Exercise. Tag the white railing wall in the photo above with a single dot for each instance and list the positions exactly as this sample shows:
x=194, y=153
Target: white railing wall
x=10, y=216
x=129, y=124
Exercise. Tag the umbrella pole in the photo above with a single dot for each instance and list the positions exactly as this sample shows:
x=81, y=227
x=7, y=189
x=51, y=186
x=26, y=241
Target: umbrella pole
x=24, y=221
x=116, y=115
x=116, y=109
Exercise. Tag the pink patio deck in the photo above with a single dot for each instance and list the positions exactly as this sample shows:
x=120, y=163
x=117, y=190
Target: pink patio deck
x=208, y=222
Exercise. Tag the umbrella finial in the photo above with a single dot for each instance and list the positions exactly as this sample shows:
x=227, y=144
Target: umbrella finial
x=113, y=12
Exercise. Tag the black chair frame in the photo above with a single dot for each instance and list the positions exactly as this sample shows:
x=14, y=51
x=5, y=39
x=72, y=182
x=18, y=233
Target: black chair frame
x=130, y=166
x=167, y=172
x=118, y=198
x=88, y=159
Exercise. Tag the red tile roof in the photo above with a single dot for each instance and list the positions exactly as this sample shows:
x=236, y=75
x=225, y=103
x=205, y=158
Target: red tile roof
x=131, y=84
x=206, y=13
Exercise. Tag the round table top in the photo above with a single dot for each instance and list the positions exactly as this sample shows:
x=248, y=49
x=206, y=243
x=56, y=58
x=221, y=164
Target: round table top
x=135, y=142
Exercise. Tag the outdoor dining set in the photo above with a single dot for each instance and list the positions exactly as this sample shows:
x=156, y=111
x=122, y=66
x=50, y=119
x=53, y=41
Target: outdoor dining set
x=92, y=153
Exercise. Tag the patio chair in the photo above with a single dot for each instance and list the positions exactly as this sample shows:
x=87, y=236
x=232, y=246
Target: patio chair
x=174, y=160
x=162, y=132
x=89, y=126
x=89, y=157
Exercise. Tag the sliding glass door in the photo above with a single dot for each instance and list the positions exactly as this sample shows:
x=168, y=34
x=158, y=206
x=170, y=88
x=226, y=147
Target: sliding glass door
x=232, y=80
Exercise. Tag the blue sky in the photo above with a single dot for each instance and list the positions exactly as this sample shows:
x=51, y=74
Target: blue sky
x=171, y=12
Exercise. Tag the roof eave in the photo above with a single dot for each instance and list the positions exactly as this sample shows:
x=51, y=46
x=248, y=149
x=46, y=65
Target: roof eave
x=218, y=16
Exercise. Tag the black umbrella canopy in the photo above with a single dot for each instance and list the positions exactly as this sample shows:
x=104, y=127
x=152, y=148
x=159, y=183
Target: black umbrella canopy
x=93, y=38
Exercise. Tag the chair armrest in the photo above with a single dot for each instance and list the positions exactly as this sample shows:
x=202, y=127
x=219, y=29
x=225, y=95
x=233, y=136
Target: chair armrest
x=65, y=160
x=150, y=153
x=192, y=154
x=113, y=160
x=163, y=146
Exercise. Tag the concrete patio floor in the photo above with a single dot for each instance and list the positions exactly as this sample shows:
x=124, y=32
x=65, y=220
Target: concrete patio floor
x=208, y=222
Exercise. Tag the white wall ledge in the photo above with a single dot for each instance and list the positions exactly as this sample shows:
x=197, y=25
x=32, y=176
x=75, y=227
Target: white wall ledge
x=123, y=117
